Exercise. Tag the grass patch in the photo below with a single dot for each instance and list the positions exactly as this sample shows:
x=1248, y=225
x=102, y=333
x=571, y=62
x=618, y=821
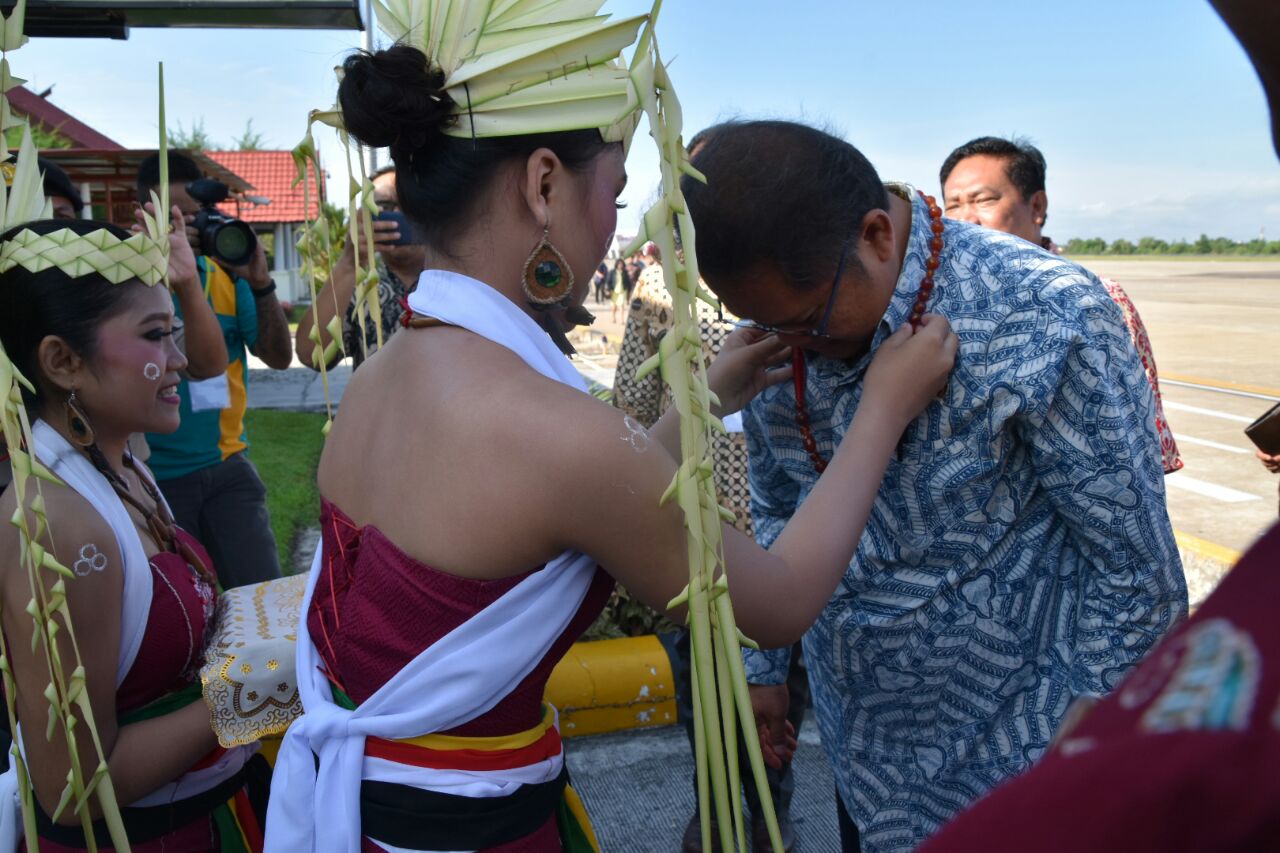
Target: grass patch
x=286, y=448
x=295, y=312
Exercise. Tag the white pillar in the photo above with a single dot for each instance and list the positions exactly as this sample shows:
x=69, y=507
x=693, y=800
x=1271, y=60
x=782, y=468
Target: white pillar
x=281, y=252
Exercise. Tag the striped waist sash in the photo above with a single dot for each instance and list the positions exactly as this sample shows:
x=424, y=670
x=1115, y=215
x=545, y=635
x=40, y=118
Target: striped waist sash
x=410, y=800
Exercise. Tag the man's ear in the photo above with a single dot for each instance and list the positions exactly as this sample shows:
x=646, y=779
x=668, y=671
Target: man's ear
x=1039, y=207
x=543, y=174
x=60, y=364
x=877, y=234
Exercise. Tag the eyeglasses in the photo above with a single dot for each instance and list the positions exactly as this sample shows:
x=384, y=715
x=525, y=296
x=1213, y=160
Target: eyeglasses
x=819, y=331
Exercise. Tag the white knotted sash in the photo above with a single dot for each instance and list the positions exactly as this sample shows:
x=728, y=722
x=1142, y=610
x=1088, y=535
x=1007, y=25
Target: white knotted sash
x=458, y=678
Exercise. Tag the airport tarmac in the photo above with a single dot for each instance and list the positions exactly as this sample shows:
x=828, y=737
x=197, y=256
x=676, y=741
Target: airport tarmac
x=1215, y=332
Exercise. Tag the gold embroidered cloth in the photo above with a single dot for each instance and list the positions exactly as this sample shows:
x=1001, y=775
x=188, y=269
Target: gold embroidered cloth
x=249, y=677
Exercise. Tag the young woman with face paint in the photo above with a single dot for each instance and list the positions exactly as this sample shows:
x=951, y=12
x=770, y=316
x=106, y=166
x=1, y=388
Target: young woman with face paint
x=102, y=363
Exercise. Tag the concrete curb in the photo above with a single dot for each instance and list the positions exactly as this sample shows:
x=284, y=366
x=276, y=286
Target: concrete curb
x=612, y=685
x=1204, y=563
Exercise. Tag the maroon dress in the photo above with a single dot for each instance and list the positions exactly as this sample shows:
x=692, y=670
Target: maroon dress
x=375, y=609
x=168, y=661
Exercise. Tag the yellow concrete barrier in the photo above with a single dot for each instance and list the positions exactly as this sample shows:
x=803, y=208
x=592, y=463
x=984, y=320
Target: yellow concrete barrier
x=610, y=685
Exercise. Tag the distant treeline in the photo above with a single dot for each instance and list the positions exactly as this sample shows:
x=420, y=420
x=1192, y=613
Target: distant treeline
x=1206, y=245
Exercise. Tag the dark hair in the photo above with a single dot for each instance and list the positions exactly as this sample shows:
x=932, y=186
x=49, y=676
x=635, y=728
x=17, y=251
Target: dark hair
x=56, y=182
x=779, y=194
x=182, y=170
x=393, y=99
x=1024, y=164
x=34, y=305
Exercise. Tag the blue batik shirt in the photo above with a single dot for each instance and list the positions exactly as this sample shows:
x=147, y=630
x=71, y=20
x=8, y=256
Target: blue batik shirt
x=1018, y=554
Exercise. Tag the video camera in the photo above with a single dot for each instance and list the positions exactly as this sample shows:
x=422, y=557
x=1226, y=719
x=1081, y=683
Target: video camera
x=221, y=237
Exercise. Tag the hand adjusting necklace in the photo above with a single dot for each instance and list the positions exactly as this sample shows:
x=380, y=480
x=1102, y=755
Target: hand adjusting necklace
x=798, y=369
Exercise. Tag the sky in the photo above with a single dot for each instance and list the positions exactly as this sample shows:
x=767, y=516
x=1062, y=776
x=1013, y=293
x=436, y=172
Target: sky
x=1149, y=115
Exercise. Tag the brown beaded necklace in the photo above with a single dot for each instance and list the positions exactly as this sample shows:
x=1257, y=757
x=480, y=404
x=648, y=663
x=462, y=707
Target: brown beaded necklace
x=161, y=526
x=798, y=370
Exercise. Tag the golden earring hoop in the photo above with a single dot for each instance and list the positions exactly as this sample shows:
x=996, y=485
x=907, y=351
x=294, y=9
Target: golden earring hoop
x=78, y=422
x=548, y=279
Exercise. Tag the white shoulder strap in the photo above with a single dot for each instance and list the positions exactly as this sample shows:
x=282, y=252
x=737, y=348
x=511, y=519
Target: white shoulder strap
x=71, y=466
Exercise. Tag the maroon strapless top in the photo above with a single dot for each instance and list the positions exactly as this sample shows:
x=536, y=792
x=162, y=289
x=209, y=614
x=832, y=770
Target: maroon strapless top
x=375, y=609
x=169, y=659
x=172, y=651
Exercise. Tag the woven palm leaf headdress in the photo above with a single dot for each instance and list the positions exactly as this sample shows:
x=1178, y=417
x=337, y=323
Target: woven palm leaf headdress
x=143, y=256
x=514, y=67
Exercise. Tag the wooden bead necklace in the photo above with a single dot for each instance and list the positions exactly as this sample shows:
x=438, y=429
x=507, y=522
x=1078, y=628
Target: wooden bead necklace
x=798, y=370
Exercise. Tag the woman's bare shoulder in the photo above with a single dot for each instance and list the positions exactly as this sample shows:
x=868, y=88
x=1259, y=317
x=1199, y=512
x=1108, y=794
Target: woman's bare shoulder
x=76, y=534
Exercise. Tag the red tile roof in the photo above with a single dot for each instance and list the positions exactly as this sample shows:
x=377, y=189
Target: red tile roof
x=39, y=111
x=271, y=173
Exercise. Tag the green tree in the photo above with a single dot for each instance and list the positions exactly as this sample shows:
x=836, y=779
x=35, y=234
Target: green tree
x=1203, y=246
x=194, y=139
x=1152, y=246
x=1091, y=246
x=1121, y=247
x=250, y=140
x=42, y=135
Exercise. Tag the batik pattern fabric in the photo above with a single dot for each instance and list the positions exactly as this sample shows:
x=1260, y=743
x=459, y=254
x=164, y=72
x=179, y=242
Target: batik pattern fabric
x=1018, y=554
x=1195, y=729
x=1169, y=455
x=652, y=317
x=391, y=295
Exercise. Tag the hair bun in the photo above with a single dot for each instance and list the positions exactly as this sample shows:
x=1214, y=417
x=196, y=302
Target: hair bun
x=393, y=98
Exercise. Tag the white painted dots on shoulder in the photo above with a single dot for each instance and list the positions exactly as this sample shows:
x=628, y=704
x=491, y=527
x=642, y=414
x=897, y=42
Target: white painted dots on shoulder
x=91, y=560
x=637, y=436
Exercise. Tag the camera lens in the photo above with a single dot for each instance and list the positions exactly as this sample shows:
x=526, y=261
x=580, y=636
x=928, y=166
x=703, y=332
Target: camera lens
x=234, y=242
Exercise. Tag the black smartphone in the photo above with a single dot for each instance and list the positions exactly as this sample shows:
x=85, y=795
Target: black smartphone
x=402, y=224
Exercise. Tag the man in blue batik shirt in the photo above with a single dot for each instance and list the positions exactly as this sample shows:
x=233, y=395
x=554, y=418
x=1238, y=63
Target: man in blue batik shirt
x=1019, y=554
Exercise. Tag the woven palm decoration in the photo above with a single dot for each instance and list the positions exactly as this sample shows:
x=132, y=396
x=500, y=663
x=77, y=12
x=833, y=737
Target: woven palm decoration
x=516, y=67
x=142, y=256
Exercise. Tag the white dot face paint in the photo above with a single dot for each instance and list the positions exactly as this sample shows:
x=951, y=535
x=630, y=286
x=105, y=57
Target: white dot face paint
x=151, y=371
x=637, y=436
x=91, y=560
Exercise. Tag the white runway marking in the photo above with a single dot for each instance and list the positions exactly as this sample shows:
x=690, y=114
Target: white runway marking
x=1208, y=490
x=1213, y=413
x=1204, y=442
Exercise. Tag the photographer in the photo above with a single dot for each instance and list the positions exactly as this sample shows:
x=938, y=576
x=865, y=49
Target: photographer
x=214, y=490
x=398, y=269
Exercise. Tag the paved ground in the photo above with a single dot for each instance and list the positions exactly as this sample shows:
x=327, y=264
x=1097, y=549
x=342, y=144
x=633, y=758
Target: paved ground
x=1214, y=324
x=637, y=787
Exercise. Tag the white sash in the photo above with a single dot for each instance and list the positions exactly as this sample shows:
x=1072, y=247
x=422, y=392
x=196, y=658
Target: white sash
x=458, y=678
x=73, y=468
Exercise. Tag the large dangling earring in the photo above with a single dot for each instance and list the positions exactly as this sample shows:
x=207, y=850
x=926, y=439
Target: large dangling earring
x=547, y=280
x=78, y=422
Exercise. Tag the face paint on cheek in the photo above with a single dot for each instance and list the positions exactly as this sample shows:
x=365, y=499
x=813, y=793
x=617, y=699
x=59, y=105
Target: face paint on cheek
x=151, y=371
